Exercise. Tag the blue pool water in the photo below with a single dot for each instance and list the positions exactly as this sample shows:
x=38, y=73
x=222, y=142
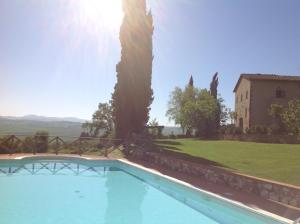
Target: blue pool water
x=105, y=192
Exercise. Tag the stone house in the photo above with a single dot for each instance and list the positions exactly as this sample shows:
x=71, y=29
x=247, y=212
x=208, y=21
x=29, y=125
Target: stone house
x=254, y=93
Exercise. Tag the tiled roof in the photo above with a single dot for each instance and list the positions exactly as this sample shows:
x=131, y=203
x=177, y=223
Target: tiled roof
x=266, y=77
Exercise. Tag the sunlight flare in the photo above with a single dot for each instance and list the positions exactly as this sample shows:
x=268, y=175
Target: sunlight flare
x=108, y=13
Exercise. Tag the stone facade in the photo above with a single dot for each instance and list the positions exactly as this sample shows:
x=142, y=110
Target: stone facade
x=254, y=93
x=242, y=104
x=286, y=194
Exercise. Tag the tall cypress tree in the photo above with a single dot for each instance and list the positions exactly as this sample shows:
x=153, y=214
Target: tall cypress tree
x=214, y=92
x=214, y=86
x=133, y=94
x=191, y=82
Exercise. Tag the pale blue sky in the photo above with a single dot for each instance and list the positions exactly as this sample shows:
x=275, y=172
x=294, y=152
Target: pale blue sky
x=57, y=61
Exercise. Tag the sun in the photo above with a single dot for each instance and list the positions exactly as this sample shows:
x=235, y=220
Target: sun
x=108, y=13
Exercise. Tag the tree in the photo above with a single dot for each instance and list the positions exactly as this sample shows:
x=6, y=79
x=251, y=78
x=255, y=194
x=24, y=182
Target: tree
x=287, y=118
x=223, y=112
x=189, y=95
x=201, y=112
x=153, y=123
x=133, y=94
x=232, y=115
x=176, y=104
x=88, y=129
x=102, y=120
x=191, y=82
x=276, y=111
x=214, y=86
x=291, y=116
x=194, y=109
x=214, y=93
x=154, y=128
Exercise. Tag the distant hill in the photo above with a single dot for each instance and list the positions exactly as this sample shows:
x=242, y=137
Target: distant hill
x=29, y=127
x=32, y=117
x=71, y=127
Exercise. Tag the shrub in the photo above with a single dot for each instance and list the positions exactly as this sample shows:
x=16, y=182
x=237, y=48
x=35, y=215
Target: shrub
x=84, y=135
x=172, y=136
x=188, y=133
x=257, y=130
x=222, y=130
x=237, y=131
x=9, y=146
x=226, y=129
x=276, y=129
x=41, y=141
x=4, y=148
x=251, y=131
x=260, y=129
x=231, y=130
x=28, y=144
x=291, y=116
x=182, y=136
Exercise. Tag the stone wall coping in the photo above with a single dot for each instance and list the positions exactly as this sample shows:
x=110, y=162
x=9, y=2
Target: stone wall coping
x=268, y=181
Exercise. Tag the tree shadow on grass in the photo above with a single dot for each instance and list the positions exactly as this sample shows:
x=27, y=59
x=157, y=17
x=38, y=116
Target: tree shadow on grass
x=166, y=142
x=175, y=152
x=167, y=147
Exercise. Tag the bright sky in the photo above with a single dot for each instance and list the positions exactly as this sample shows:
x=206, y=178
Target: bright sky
x=58, y=57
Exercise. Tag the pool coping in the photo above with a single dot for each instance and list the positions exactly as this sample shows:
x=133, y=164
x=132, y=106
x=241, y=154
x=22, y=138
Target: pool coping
x=257, y=211
x=236, y=203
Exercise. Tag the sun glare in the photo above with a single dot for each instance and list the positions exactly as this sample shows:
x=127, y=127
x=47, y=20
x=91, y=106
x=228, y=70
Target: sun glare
x=106, y=12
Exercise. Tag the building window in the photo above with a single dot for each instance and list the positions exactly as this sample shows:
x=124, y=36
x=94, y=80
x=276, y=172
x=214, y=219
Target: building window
x=246, y=112
x=247, y=95
x=280, y=93
x=241, y=97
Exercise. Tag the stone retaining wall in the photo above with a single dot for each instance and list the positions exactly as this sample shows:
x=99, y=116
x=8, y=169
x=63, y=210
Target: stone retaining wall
x=286, y=194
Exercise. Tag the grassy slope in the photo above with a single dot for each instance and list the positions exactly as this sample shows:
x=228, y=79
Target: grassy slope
x=271, y=161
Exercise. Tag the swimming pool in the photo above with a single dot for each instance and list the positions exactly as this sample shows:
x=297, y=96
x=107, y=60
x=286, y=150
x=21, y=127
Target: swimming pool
x=77, y=191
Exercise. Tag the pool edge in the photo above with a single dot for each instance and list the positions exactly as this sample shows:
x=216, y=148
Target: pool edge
x=180, y=182
x=233, y=202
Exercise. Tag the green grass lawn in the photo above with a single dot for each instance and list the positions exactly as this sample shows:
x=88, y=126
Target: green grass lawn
x=279, y=162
